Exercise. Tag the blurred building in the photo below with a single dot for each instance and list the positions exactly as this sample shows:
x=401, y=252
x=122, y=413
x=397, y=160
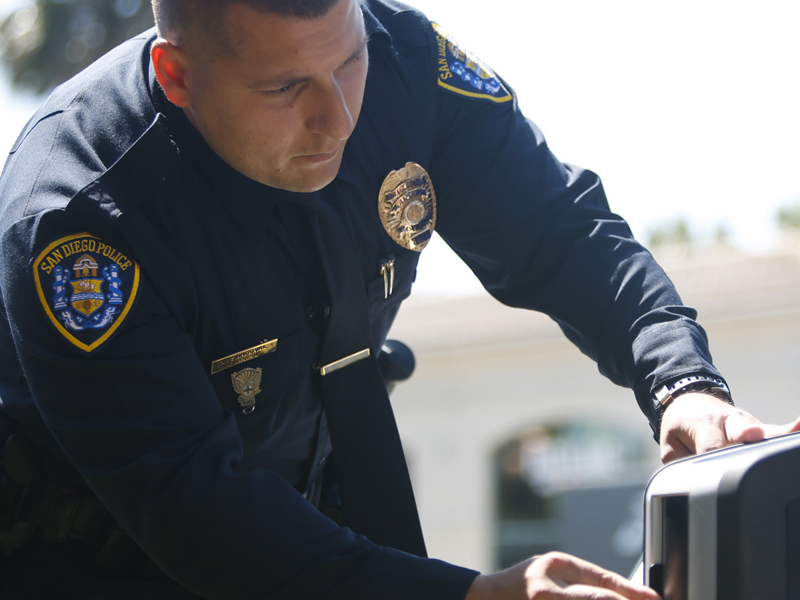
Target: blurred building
x=516, y=444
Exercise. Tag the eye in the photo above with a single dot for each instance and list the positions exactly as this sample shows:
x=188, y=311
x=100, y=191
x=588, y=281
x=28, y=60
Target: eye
x=280, y=91
x=355, y=58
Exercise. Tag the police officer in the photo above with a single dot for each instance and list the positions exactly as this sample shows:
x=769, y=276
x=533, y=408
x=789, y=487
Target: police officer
x=205, y=238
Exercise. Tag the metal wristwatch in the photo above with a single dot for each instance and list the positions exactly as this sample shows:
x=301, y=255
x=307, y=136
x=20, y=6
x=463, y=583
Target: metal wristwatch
x=665, y=394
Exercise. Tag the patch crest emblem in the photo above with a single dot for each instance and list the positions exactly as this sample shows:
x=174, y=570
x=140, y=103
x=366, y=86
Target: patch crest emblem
x=462, y=73
x=407, y=206
x=86, y=288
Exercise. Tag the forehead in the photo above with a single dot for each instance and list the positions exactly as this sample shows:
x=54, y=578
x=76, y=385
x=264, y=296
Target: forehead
x=251, y=35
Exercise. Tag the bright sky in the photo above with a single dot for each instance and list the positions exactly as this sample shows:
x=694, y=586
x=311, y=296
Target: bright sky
x=685, y=108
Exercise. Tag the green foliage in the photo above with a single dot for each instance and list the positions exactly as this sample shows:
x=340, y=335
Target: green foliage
x=45, y=42
x=788, y=217
x=676, y=232
x=722, y=235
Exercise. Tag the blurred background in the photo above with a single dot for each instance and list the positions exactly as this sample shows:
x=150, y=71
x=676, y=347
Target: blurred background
x=688, y=111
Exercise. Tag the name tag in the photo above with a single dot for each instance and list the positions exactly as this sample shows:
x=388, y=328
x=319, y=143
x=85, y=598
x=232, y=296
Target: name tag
x=243, y=356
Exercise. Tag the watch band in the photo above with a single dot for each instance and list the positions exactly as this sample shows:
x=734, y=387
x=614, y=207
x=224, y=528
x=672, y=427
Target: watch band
x=665, y=394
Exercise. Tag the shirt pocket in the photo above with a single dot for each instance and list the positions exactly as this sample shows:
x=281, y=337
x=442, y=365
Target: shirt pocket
x=263, y=392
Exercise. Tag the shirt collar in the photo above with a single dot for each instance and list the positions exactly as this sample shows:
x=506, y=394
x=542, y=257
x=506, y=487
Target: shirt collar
x=372, y=25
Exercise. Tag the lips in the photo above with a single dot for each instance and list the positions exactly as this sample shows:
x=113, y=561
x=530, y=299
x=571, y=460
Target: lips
x=321, y=156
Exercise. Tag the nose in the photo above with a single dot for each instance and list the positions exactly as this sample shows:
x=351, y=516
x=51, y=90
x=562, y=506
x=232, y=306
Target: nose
x=330, y=115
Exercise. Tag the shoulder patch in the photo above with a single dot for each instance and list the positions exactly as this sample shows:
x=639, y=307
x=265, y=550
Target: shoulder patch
x=462, y=73
x=86, y=288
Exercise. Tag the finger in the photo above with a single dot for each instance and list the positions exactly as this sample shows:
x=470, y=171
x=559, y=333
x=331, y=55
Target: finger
x=773, y=430
x=723, y=430
x=585, y=592
x=676, y=439
x=575, y=572
x=673, y=448
x=739, y=429
x=793, y=427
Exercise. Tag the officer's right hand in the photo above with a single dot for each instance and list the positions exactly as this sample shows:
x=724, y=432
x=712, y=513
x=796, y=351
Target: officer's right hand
x=556, y=575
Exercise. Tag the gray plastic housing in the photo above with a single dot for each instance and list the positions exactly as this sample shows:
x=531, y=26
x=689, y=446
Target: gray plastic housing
x=726, y=525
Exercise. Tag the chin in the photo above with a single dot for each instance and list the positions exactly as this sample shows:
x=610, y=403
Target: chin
x=303, y=186
x=306, y=182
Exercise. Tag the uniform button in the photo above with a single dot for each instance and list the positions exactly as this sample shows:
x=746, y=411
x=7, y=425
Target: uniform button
x=323, y=460
x=317, y=318
x=318, y=313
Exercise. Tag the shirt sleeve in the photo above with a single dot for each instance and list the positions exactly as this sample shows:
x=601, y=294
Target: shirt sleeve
x=539, y=234
x=140, y=421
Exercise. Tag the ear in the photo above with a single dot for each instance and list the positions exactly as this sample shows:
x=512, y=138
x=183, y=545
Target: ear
x=169, y=62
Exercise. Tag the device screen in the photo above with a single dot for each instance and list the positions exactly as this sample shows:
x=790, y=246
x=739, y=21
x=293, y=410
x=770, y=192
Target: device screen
x=676, y=547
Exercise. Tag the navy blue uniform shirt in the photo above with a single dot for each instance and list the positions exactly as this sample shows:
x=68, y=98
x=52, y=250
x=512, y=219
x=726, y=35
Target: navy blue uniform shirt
x=133, y=258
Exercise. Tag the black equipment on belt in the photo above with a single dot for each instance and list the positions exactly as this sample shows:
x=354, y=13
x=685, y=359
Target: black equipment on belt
x=32, y=506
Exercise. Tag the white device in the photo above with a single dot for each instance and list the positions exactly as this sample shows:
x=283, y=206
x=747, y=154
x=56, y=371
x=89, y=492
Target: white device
x=726, y=525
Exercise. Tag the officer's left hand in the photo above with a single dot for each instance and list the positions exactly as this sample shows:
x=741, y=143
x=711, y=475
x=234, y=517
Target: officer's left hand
x=696, y=422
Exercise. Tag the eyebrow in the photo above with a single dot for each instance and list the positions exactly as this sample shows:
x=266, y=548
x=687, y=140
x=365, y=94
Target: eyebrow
x=284, y=80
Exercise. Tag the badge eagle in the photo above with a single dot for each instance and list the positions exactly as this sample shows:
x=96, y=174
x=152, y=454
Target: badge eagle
x=86, y=288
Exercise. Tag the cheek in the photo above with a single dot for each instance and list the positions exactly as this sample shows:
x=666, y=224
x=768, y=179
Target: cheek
x=220, y=118
x=268, y=140
x=251, y=124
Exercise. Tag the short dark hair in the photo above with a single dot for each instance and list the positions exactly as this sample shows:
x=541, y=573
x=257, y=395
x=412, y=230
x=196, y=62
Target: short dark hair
x=172, y=17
